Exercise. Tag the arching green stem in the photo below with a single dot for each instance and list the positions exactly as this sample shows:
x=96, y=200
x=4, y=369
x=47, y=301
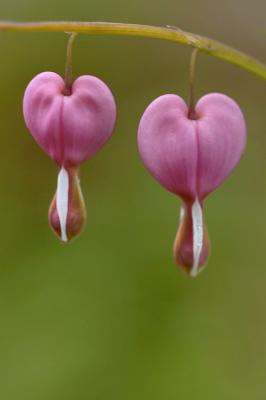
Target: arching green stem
x=170, y=33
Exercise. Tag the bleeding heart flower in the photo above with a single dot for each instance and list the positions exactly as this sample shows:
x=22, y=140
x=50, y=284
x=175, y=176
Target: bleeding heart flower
x=191, y=157
x=70, y=126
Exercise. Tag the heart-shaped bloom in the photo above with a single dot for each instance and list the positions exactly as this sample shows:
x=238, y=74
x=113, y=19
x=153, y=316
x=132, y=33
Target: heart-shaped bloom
x=190, y=158
x=70, y=126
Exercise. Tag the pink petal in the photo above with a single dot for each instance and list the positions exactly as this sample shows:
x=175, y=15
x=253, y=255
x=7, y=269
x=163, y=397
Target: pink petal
x=70, y=129
x=42, y=108
x=191, y=157
x=168, y=145
x=221, y=131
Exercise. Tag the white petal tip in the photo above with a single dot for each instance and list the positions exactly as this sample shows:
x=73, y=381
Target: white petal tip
x=194, y=273
x=182, y=214
x=62, y=201
x=64, y=238
x=197, y=220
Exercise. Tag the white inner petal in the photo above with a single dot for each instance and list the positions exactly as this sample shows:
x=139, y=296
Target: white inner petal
x=182, y=214
x=197, y=219
x=62, y=201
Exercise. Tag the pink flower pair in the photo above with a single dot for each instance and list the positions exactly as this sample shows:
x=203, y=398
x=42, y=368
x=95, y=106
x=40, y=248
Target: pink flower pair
x=189, y=157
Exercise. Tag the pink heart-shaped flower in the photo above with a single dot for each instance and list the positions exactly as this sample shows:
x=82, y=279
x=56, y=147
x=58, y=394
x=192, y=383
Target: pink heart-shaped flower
x=69, y=128
x=191, y=157
x=70, y=125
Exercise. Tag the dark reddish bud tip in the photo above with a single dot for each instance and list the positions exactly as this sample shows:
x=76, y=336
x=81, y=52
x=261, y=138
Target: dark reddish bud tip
x=191, y=247
x=67, y=212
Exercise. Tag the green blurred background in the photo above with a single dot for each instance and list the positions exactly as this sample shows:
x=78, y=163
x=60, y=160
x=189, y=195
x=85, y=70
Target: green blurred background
x=110, y=316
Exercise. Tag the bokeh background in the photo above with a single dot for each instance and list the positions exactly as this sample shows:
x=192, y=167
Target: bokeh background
x=110, y=316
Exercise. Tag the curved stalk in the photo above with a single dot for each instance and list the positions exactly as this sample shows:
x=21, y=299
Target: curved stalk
x=68, y=69
x=171, y=33
x=192, y=68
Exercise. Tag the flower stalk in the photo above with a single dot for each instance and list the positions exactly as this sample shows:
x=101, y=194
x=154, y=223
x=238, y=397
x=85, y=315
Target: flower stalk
x=68, y=69
x=192, y=68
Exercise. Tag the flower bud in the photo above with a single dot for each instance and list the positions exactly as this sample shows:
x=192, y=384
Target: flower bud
x=67, y=212
x=69, y=128
x=191, y=246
